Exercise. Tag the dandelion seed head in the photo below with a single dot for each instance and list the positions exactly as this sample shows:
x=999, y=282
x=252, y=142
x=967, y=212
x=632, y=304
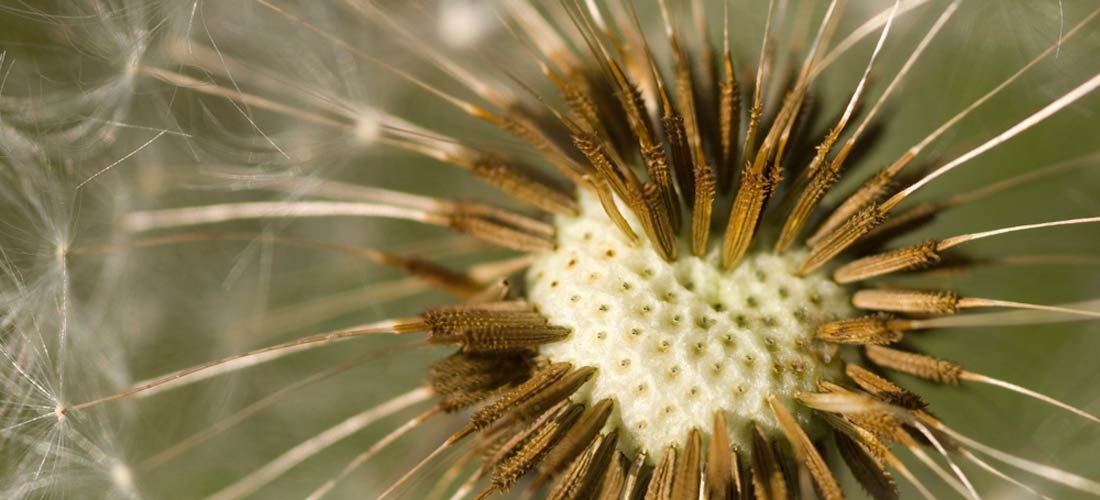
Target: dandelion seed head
x=676, y=342
x=664, y=305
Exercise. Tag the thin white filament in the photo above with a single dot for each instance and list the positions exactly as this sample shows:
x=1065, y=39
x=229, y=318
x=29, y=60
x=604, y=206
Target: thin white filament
x=996, y=472
x=954, y=467
x=127, y=156
x=867, y=70
x=1052, y=473
x=908, y=475
x=310, y=447
x=943, y=474
x=467, y=486
x=1008, y=318
x=864, y=30
x=244, y=413
x=409, y=474
x=239, y=96
x=916, y=149
x=240, y=361
x=373, y=450
x=213, y=214
x=958, y=240
x=974, y=377
x=978, y=302
x=1036, y=118
x=924, y=43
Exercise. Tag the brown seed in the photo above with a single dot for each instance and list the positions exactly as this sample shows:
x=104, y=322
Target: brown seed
x=705, y=191
x=720, y=467
x=805, y=452
x=920, y=256
x=584, y=477
x=860, y=409
x=918, y=365
x=660, y=485
x=499, y=234
x=524, y=186
x=870, y=473
x=804, y=207
x=580, y=103
x=876, y=329
x=637, y=477
x=516, y=434
x=883, y=389
x=614, y=479
x=501, y=217
x=554, y=393
x=622, y=180
x=883, y=425
x=685, y=94
x=456, y=283
x=661, y=176
x=908, y=301
x=843, y=237
x=756, y=113
x=767, y=476
x=580, y=437
x=657, y=223
x=873, y=190
x=729, y=121
x=903, y=223
x=680, y=152
x=464, y=379
x=745, y=213
x=574, y=476
x=874, y=448
x=539, y=382
x=685, y=484
x=497, y=326
x=534, y=448
x=521, y=123
x=611, y=208
x=634, y=104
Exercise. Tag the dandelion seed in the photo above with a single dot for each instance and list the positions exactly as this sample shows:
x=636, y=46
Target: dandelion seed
x=643, y=314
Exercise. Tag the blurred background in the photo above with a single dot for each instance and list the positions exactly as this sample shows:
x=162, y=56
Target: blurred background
x=106, y=108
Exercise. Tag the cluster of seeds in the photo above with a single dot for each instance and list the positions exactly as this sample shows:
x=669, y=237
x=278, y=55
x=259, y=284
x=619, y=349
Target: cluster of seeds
x=681, y=323
x=676, y=342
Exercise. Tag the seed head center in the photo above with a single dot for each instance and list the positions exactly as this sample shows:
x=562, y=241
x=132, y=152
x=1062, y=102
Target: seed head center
x=675, y=342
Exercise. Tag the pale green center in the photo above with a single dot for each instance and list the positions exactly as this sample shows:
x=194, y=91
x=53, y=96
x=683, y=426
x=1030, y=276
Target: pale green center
x=675, y=342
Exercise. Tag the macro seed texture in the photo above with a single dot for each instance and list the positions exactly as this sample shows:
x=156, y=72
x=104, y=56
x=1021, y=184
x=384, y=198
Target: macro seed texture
x=727, y=238
x=674, y=342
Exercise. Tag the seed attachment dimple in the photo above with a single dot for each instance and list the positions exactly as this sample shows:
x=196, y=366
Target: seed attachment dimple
x=686, y=330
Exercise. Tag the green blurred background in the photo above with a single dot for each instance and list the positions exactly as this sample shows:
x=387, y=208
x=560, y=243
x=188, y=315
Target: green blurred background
x=152, y=310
